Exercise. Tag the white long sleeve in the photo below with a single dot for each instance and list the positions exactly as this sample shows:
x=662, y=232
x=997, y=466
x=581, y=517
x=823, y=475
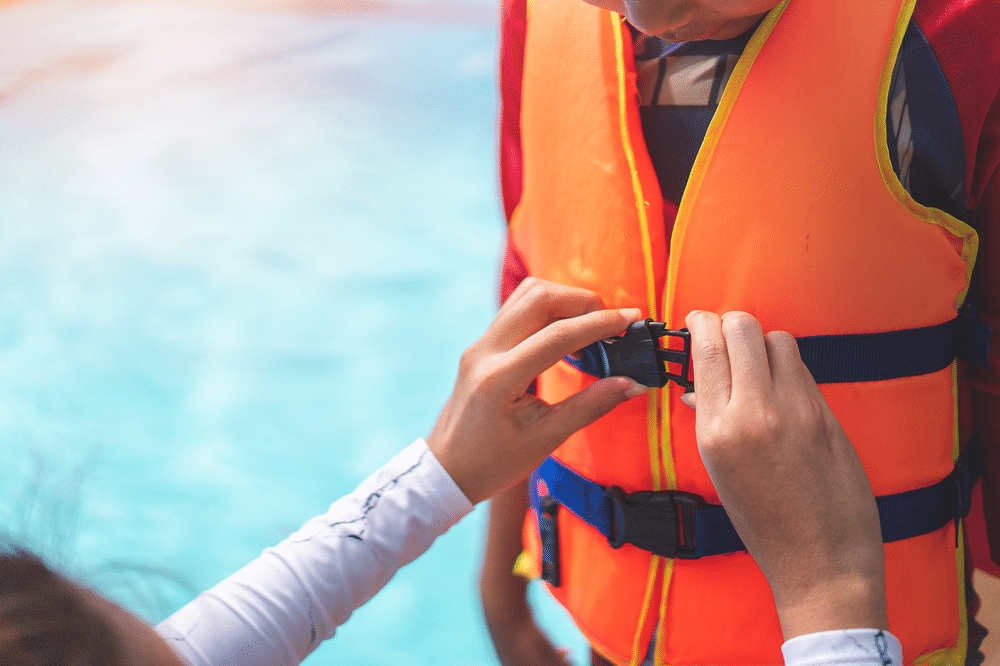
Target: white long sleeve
x=281, y=606
x=847, y=647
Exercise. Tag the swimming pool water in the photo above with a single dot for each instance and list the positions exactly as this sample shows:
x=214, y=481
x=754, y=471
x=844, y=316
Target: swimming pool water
x=242, y=246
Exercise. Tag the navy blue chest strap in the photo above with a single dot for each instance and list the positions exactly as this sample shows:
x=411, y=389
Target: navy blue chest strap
x=682, y=525
x=862, y=357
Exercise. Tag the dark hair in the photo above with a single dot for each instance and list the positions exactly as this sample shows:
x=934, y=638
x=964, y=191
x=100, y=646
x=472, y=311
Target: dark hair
x=45, y=620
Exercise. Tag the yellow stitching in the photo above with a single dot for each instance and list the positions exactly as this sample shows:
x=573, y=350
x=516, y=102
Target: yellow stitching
x=942, y=657
x=953, y=656
x=638, y=651
x=666, y=439
x=526, y=567
x=515, y=218
x=647, y=245
x=661, y=645
x=653, y=436
x=970, y=239
x=961, y=646
x=640, y=201
x=647, y=255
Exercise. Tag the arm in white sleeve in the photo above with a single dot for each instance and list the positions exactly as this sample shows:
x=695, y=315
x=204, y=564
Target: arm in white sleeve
x=281, y=606
x=846, y=647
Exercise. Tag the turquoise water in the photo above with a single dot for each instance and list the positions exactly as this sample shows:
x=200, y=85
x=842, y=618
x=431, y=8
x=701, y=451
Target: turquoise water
x=241, y=247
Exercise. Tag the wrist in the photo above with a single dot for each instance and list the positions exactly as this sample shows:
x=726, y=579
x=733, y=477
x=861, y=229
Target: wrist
x=847, y=602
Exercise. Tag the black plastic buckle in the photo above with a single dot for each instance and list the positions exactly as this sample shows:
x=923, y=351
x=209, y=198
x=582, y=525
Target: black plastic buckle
x=637, y=354
x=660, y=521
x=548, y=527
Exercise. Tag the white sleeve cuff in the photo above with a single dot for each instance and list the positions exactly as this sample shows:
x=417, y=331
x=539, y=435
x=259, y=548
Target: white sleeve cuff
x=845, y=647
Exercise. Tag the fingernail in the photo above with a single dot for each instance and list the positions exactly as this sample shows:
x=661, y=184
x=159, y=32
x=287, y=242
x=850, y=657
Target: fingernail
x=635, y=390
x=631, y=314
x=688, y=399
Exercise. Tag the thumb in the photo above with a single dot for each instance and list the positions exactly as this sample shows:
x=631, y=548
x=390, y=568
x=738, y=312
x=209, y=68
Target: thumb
x=583, y=408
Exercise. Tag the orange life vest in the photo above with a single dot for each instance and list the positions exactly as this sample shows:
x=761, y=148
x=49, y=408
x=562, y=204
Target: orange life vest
x=792, y=213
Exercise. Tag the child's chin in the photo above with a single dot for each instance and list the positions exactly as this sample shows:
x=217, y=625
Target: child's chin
x=684, y=34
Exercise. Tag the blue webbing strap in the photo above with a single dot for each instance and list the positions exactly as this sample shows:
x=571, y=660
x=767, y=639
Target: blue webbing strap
x=867, y=357
x=870, y=357
x=593, y=360
x=580, y=495
x=902, y=515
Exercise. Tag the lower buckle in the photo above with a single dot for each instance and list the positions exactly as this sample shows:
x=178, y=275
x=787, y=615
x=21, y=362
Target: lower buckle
x=659, y=521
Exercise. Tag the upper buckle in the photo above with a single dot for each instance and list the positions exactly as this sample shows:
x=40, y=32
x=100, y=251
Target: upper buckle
x=660, y=521
x=637, y=354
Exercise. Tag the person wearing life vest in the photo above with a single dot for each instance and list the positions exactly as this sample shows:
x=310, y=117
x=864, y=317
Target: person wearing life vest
x=808, y=201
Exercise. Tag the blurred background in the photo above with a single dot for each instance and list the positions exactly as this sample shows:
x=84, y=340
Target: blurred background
x=242, y=245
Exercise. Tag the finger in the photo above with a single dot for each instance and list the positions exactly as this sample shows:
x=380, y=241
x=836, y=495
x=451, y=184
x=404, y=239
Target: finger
x=533, y=305
x=748, y=360
x=541, y=350
x=710, y=359
x=689, y=400
x=582, y=409
x=784, y=362
x=787, y=368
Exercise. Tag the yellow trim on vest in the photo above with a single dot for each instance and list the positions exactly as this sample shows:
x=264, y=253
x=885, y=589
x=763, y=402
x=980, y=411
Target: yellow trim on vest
x=659, y=656
x=653, y=430
x=640, y=200
x=958, y=656
x=647, y=245
x=962, y=645
x=970, y=239
x=953, y=656
x=515, y=218
x=666, y=440
x=942, y=657
x=638, y=649
x=525, y=567
x=956, y=448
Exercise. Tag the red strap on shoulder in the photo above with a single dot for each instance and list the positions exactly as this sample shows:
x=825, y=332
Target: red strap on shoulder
x=513, y=23
x=965, y=37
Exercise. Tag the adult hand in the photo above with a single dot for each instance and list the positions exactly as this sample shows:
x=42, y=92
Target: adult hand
x=491, y=434
x=788, y=476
